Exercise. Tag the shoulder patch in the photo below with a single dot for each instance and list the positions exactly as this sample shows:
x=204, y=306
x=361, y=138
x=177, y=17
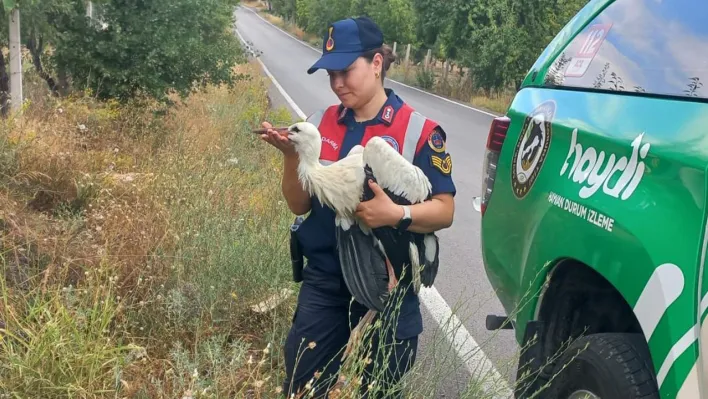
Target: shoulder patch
x=436, y=141
x=390, y=140
x=387, y=114
x=444, y=165
x=342, y=113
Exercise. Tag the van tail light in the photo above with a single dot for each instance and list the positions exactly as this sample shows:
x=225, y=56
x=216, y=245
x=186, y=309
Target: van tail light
x=495, y=140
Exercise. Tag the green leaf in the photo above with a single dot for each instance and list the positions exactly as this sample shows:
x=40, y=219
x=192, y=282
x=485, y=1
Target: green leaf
x=9, y=4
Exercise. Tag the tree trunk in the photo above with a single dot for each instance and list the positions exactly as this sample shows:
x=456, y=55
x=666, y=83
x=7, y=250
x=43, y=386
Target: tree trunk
x=36, y=51
x=63, y=81
x=4, y=87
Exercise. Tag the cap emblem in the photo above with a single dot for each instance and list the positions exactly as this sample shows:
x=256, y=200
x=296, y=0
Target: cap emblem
x=330, y=41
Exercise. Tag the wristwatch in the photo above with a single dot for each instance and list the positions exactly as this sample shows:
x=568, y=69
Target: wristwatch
x=406, y=220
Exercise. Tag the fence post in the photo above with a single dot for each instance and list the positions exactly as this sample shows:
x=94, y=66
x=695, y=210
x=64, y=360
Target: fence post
x=15, y=60
x=408, y=54
x=427, y=58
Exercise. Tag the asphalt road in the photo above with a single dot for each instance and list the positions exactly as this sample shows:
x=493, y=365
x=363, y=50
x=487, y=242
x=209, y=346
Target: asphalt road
x=461, y=282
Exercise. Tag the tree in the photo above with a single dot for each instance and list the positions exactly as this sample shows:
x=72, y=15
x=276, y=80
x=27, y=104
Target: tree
x=396, y=18
x=140, y=47
x=498, y=40
x=38, y=30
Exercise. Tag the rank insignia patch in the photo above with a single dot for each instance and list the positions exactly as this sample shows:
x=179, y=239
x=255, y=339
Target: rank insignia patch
x=444, y=165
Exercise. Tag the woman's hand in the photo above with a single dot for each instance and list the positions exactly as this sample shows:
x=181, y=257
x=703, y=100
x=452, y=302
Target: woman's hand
x=278, y=140
x=379, y=211
x=298, y=199
x=427, y=217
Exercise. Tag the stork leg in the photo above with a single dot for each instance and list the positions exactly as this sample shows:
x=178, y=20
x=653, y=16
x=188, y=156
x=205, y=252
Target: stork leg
x=356, y=334
x=415, y=266
x=358, y=331
x=392, y=280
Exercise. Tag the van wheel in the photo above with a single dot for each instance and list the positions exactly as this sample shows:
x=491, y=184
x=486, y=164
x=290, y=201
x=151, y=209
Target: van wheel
x=607, y=366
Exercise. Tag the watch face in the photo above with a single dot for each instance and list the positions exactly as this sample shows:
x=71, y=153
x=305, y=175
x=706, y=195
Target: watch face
x=405, y=222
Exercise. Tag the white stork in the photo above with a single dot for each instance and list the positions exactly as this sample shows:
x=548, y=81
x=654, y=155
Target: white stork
x=372, y=261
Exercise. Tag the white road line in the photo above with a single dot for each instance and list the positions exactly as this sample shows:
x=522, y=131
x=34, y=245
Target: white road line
x=392, y=80
x=476, y=361
x=282, y=91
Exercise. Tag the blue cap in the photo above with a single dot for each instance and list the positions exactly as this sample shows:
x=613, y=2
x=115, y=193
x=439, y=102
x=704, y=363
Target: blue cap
x=345, y=41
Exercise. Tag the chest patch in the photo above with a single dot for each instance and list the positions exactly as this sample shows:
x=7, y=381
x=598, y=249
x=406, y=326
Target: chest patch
x=391, y=141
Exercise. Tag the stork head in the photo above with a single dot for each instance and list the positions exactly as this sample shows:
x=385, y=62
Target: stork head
x=306, y=139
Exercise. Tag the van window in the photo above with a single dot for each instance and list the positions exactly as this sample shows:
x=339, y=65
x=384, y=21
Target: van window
x=647, y=46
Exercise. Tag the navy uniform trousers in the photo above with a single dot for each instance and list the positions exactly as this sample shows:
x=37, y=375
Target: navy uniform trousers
x=325, y=317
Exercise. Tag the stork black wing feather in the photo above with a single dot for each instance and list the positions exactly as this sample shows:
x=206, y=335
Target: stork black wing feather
x=363, y=267
x=395, y=241
x=430, y=266
x=369, y=194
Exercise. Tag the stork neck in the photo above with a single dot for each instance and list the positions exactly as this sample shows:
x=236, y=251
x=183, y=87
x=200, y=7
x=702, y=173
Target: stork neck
x=307, y=170
x=308, y=164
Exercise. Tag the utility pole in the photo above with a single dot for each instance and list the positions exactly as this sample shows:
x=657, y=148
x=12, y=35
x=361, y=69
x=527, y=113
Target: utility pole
x=15, y=60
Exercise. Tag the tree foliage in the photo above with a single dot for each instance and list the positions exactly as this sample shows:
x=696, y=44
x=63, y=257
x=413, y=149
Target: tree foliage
x=128, y=47
x=498, y=40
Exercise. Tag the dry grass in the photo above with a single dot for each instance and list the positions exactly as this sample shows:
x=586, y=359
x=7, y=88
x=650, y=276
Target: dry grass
x=454, y=85
x=497, y=103
x=258, y=4
x=288, y=26
x=134, y=241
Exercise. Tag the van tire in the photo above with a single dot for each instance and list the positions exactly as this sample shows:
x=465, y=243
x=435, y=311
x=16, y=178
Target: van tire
x=610, y=365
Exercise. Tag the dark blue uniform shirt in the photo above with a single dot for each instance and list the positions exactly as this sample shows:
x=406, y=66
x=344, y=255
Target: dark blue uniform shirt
x=323, y=280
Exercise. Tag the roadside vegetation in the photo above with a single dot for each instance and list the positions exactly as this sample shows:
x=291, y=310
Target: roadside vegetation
x=142, y=240
x=136, y=247
x=479, y=51
x=143, y=237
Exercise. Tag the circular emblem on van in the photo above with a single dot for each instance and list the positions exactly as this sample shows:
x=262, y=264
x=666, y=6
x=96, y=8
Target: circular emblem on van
x=531, y=148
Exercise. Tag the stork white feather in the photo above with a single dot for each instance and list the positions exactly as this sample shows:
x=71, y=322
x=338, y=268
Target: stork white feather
x=336, y=185
x=395, y=173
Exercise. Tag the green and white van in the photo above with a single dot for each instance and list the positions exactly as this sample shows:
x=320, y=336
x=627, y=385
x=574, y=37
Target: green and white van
x=594, y=206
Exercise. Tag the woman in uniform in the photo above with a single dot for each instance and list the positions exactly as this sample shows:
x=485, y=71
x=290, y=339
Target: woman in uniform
x=356, y=60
